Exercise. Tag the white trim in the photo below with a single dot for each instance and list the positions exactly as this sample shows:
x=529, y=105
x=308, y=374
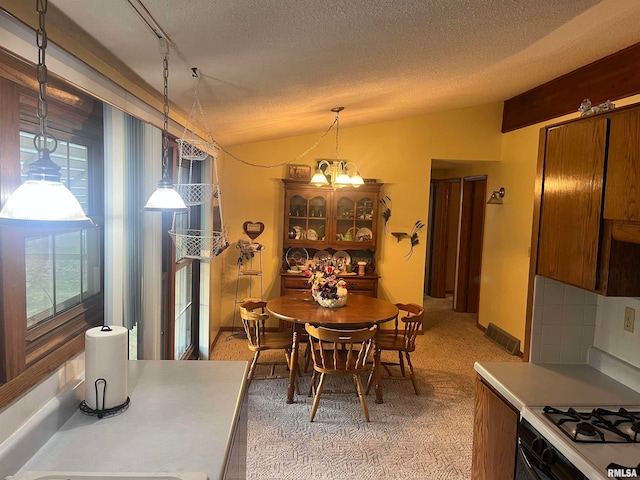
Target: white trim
x=152, y=263
x=114, y=243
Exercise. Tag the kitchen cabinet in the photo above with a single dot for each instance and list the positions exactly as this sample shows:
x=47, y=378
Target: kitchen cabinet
x=589, y=203
x=495, y=427
x=323, y=218
x=572, y=202
x=622, y=194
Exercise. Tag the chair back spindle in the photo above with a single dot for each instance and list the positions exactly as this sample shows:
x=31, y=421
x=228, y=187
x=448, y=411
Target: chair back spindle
x=403, y=342
x=339, y=352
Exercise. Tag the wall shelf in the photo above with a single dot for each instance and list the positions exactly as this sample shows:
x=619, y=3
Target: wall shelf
x=400, y=235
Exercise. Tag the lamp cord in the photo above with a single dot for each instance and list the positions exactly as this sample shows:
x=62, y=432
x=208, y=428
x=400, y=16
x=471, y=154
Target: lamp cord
x=306, y=152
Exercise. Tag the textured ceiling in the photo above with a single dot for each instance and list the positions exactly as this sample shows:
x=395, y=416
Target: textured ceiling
x=275, y=68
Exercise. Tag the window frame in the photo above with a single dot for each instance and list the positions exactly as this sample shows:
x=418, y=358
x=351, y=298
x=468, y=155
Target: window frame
x=27, y=357
x=171, y=266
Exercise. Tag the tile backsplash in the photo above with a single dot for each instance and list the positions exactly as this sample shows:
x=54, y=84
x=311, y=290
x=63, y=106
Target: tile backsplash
x=568, y=320
x=564, y=322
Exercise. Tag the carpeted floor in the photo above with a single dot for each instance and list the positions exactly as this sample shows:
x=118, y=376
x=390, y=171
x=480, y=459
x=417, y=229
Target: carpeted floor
x=409, y=437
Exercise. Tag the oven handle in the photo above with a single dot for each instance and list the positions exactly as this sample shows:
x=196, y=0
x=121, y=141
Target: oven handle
x=527, y=462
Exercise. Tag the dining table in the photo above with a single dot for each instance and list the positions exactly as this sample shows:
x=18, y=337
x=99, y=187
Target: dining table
x=359, y=311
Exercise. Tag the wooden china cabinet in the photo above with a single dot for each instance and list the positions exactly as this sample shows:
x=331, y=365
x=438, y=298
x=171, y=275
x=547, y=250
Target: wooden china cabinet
x=321, y=222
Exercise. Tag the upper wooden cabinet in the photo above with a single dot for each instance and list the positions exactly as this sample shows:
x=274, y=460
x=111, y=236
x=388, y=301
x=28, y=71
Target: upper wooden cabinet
x=320, y=217
x=572, y=202
x=589, y=181
x=622, y=194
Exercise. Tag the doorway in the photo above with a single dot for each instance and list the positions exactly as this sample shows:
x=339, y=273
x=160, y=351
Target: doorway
x=443, y=245
x=454, y=246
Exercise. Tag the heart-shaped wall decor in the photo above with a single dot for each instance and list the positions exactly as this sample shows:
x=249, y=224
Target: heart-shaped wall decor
x=253, y=229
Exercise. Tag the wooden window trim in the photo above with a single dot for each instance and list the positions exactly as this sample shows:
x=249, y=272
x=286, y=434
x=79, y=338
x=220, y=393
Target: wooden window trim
x=26, y=358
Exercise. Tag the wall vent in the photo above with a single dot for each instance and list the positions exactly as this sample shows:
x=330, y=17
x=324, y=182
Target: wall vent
x=503, y=339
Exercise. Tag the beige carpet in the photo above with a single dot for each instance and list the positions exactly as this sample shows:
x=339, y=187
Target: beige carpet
x=410, y=437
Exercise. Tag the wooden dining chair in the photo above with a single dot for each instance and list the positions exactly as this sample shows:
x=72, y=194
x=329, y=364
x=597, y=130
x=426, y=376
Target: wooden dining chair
x=339, y=352
x=402, y=341
x=254, y=316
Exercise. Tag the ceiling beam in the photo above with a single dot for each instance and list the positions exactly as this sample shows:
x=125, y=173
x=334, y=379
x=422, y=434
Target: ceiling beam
x=610, y=78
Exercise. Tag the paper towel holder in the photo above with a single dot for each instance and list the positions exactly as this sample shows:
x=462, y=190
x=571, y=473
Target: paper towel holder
x=103, y=412
x=102, y=382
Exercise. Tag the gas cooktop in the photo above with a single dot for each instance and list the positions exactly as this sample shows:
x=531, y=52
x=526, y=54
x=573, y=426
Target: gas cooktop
x=598, y=425
x=600, y=441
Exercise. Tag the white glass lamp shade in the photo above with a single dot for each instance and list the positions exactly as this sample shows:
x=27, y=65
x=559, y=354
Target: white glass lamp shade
x=343, y=179
x=165, y=198
x=357, y=180
x=319, y=179
x=38, y=202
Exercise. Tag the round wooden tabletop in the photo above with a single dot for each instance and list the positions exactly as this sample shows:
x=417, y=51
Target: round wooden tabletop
x=359, y=310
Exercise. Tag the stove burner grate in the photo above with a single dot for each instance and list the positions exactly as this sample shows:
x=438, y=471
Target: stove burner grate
x=598, y=425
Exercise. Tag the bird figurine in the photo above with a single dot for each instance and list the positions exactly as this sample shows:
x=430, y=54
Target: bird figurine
x=341, y=289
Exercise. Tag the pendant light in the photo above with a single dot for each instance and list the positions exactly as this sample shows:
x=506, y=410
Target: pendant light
x=43, y=200
x=165, y=198
x=337, y=169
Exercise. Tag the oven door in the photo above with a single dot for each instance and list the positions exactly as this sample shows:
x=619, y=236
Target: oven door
x=529, y=467
x=538, y=460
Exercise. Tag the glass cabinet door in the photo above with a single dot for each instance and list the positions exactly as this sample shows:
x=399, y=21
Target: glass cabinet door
x=306, y=218
x=355, y=220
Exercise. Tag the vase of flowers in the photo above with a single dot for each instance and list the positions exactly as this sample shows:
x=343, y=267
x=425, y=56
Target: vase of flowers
x=326, y=288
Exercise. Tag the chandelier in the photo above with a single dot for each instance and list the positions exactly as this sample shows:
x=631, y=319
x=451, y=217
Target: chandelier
x=336, y=172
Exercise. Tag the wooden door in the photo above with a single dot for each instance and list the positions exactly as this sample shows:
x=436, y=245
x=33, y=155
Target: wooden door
x=572, y=202
x=467, y=295
x=444, y=235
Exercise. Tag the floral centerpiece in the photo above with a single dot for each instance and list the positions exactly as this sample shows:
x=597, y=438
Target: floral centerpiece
x=326, y=288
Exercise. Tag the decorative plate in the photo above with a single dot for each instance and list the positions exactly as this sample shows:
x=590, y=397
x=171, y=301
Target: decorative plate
x=297, y=256
x=364, y=235
x=321, y=256
x=298, y=232
x=312, y=234
x=342, y=255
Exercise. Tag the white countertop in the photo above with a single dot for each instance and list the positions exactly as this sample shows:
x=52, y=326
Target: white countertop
x=181, y=418
x=557, y=385
x=529, y=387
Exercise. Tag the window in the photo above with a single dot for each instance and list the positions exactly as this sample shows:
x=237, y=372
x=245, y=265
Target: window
x=51, y=280
x=62, y=270
x=181, y=276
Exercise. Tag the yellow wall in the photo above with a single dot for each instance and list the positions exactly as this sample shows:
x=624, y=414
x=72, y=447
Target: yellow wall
x=507, y=234
x=397, y=153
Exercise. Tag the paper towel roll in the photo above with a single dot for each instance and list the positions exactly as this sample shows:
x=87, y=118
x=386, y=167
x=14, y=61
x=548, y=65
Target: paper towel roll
x=106, y=358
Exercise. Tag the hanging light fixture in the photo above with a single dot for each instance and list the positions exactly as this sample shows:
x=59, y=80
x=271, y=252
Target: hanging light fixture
x=165, y=198
x=43, y=199
x=338, y=170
